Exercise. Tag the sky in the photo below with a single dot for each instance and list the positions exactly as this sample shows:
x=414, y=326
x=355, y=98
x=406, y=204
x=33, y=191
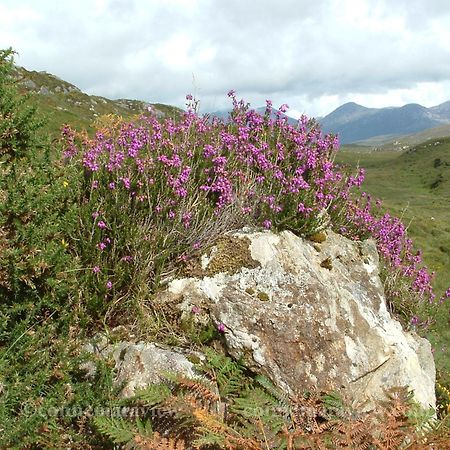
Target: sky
x=312, y=55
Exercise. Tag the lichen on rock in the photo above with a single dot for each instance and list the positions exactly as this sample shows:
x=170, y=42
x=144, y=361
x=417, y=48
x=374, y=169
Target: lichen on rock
x=302, y=326
x=229, y=254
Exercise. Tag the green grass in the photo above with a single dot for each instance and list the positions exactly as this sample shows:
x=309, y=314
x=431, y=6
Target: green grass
x=415, y=185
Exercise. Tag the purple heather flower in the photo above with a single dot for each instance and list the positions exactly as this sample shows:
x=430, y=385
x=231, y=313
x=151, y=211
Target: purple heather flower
x=195, y=310
x=221, y=327
x=101, y=224
x=414, y=320
x=96, y=269
x=109, y=284
x=126, y=182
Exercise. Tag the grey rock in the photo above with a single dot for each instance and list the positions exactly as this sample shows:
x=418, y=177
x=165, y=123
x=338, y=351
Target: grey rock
x=29, y=84
x=44, y=90
x=312, y=315
x=142, y=364
x=138, y=365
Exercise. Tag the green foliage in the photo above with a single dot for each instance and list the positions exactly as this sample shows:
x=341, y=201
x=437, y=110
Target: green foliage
x=154, y=394
x=18, y=122
x=121, y=431
x=36, y=212
x=46, y=399
x=42, y=384
x=228, y=374
x=257, y=415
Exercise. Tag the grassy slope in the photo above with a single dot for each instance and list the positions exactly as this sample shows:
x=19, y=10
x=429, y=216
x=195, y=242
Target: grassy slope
x=386, y=143
x=62, y=102
x=404, y=182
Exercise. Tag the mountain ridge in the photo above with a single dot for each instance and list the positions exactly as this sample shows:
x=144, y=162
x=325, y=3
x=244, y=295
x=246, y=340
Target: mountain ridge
x=354, y=122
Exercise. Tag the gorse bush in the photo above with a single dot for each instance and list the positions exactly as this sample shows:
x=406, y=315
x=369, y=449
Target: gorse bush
x=36, y=213
x=39, y=365
x=18, y=120
x=155, y=193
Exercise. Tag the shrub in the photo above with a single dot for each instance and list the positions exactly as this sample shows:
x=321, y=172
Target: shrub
x=36, y=212
x=154, y=193
x=19, y=124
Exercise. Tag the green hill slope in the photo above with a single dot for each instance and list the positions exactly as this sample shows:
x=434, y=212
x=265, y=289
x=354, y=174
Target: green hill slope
x=62, y=102
x=415, y=185
x=398, y=143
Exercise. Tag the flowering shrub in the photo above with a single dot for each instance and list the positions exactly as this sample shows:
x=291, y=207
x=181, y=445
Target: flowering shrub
x=155, y=192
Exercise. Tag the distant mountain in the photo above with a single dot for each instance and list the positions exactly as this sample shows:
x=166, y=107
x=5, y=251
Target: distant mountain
x=355, y=123
x=62, y=102
x=225, y=113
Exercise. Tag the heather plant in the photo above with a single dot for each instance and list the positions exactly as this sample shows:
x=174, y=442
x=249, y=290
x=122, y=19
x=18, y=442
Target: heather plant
x=156, y=193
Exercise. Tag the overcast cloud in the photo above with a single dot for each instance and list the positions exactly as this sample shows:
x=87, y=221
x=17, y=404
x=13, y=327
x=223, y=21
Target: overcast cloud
x=312, y=55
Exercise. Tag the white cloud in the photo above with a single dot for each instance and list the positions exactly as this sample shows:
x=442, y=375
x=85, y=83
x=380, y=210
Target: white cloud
x=311, y=55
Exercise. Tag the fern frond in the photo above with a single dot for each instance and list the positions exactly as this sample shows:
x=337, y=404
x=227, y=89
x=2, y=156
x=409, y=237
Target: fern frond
x=281, y=397
x=227, y=373
x=153, y=394
x=117, y=429
x=199, y=389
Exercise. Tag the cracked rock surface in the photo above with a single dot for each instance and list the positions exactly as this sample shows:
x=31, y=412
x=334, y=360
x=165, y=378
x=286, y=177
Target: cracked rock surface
x=309, y=315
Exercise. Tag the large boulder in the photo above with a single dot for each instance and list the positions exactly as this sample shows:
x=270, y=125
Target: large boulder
x=307, y=314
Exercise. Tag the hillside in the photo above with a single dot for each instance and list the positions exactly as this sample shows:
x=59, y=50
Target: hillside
x=415, y=185
x=62, y=102
x=356, y=123
x=399, y=143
